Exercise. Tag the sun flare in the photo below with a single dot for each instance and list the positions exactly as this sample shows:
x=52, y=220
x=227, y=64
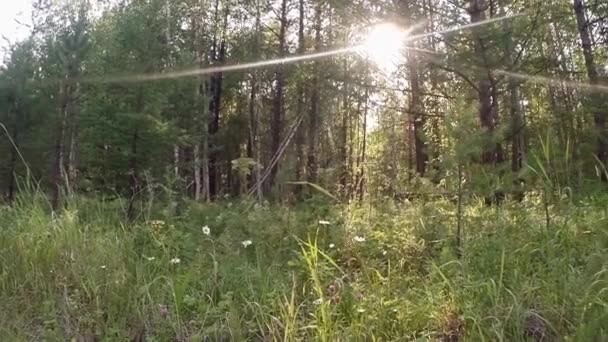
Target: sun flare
x=383, y=45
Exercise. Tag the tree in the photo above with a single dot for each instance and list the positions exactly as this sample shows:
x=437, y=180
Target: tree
x=278, y=103
x=597, y=99
x=71, y=46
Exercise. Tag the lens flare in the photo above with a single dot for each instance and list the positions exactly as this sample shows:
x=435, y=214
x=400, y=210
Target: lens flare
x=384, y=45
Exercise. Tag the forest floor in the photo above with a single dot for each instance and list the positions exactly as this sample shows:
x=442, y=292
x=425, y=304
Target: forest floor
x=313, y=271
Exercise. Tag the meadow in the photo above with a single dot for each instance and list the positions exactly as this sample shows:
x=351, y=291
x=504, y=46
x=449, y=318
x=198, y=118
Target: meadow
x=313, y=271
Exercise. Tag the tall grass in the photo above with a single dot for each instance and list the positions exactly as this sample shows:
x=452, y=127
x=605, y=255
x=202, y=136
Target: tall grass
x=366, y=273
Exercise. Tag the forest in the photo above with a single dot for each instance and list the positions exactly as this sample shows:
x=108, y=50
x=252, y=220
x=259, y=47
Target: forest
x=305, y=170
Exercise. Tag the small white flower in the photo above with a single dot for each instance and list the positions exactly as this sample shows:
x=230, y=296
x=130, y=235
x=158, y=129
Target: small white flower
x=358, y=238
x=360, y=310
x=175, y=261
x=324, y=223
x=331, y=245
x=206, y=230
x=150, y=258
x=384, y=252
x=103, y=267
x=247, y=243
x=318, y=301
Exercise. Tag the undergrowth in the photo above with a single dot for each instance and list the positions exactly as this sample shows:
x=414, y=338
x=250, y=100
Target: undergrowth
x=363, y=272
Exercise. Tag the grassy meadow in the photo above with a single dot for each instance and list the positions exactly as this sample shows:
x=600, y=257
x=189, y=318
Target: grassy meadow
x=238, y=271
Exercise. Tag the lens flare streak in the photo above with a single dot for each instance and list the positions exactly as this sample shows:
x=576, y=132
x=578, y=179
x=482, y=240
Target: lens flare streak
x=347, y=50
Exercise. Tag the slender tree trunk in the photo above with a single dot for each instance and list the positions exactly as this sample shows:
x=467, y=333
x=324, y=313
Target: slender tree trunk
x=218, y=54
x=488, y=113
x=278, y=105
x=459, y=247
x=411, y=150
x=517, y=137
x=301, y=102
x=60, y=145
x=13, y=163
x=434, y=104
x=364, y=147
x=134, y=181
x=214, y=125
x=344, y=166
x=517, y=140
x=416, y=99
x=354, y=144
x=597, y=99
x=134, y=185
x=201, y=147
x=253, y=146
x=205, y=183
x=253, y=143
x=72, y=172
x=312, y=163
x=197, y=171
x=417, y=110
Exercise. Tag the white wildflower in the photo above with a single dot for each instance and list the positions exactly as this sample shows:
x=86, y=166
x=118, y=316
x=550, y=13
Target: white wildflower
x=360, y=310
x=103, y=267
x=247, y=243
x=206, y=230
x=324, y=223
x=359, y=238
x=175, y=261
x=318, y=301
x=331, y=245
x=150, y=258
x=384, y=252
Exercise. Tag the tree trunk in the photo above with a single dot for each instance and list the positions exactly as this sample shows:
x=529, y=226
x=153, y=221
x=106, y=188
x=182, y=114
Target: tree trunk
x=278, y=103
x=417, y=109
x=204, y=158
x=134, y=186
x=364, y=147
x=344, y=166
x=72, y=169
x=214, y=110
x=253, y=146
x=253, y=143
x=201, y=148
x=197, y=171
x=13, y=163
x=312, y=163
x=517, y=135
x=60, y=145
x=597, y=103
x=301, y=102
x=416, y=100
x=488, y=113
x=434, y=104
